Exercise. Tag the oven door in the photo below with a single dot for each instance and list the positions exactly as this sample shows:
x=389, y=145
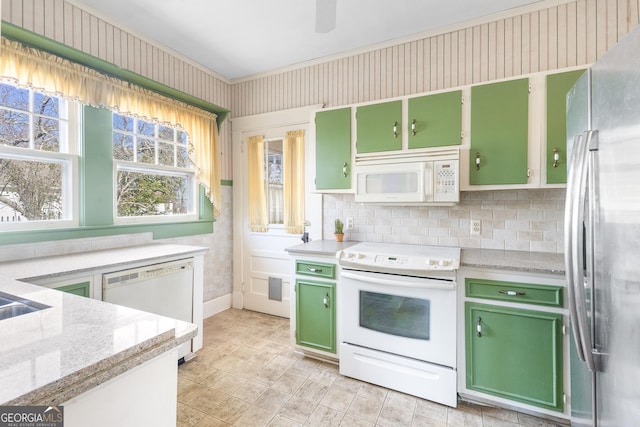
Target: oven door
x=408, y=316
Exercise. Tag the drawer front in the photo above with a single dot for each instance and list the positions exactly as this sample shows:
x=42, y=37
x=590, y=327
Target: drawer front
x=316, y=269
x=526, y=293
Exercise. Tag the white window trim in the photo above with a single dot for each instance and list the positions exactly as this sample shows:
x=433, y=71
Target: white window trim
x=70, y=172
x=70, y=120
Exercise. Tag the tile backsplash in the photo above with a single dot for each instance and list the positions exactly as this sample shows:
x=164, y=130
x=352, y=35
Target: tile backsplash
x=71, y=246
x=523, y=220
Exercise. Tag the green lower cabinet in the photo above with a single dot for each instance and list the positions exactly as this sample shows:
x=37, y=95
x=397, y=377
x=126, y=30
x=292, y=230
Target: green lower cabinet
x=316, y=315
x=81, y=289
x=515, y=354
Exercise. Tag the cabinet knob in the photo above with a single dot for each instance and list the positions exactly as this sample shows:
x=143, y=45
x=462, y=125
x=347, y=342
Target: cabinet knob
x=478, y=161
x=325, y=301
x=556, y=157
x=395, y=129
x=344, y=169
x=479, y=326
x=413, y=127
x=314, y=270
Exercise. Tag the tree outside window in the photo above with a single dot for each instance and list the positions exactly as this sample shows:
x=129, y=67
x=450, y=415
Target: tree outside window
x=35, y=165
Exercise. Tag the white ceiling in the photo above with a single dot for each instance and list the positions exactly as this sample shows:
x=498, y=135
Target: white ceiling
x=240, y=38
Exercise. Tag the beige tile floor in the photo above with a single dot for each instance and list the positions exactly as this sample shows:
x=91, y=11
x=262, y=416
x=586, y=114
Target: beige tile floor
x=247, y=374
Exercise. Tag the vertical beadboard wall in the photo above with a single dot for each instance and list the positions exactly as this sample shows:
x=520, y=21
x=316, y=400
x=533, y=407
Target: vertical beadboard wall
x=564, y=35
x=66, y=23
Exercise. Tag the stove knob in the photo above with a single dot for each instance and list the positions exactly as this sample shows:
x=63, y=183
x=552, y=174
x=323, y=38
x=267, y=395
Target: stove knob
x=360, y=255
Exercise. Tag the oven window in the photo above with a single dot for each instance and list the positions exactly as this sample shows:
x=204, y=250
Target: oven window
x=395, y=315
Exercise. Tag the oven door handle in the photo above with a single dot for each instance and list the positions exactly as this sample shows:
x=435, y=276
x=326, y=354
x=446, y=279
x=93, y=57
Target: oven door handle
x=401, y=281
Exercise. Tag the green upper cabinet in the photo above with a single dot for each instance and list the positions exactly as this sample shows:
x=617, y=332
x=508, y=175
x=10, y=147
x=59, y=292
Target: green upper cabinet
x=515, y=354
x=435, y=120
x=379, y=127
x=499, y=133
x=557, y=87
x=333, y=149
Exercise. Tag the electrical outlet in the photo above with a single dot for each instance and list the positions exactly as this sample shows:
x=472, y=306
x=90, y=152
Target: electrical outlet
x=476, y=227
x=348, y=223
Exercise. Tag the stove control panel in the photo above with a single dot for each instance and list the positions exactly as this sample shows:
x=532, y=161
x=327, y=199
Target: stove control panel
x=399, y=262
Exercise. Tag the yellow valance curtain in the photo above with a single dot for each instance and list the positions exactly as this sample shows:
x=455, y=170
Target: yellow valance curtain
x=258, y=220
x=54, y=75
x=293, y=176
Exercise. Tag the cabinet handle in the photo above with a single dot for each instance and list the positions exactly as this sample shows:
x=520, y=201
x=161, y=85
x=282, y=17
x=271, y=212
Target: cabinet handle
x=511, y=293
x=325, y=301
x=556, y=157
x=413, y=127
x=479, y=326
x=314, y=270
x=478, y=161
x=344, y=169
x=395, y=129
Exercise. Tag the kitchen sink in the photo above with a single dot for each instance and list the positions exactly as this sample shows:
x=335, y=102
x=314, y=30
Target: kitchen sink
x=12, y=306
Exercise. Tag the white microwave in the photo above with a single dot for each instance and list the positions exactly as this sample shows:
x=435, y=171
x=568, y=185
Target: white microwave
x=408, y=181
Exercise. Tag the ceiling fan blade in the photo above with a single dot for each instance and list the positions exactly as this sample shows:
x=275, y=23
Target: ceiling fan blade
x=325, y=15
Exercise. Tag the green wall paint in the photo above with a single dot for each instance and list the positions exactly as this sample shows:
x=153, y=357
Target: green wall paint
x=96, y=168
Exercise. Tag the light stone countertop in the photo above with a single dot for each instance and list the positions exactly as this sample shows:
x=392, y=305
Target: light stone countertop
x=320, y=247
x=53, y=266
x=534, y=262
x=52, y=355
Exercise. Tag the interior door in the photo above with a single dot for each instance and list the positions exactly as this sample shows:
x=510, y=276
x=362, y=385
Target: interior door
x=262, y=266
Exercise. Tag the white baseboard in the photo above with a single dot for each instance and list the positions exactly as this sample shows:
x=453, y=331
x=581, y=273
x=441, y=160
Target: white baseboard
x=216, y=305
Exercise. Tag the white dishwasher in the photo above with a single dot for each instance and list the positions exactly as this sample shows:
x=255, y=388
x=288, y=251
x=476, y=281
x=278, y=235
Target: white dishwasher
x=165, y=289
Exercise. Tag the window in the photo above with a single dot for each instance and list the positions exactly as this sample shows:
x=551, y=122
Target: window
x=273, y=181
x=154, y=178
x=37, y=160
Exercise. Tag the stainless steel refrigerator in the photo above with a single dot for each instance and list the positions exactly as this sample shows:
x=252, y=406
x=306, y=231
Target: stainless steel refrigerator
x=602, y=238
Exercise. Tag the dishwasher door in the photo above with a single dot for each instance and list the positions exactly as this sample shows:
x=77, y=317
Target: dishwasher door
x=165, y=289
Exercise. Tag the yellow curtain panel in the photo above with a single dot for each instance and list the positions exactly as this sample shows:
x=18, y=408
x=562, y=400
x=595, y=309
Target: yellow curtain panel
x=54, y=75
x=258, y=219
x=293, y=165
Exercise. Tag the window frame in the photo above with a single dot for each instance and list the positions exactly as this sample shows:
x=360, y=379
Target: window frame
x=70, y=122
x=191, y=215
x=155, y=169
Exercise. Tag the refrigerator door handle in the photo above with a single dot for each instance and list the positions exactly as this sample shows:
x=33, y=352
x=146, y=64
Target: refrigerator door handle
x=579, y=268
x=571, y=218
